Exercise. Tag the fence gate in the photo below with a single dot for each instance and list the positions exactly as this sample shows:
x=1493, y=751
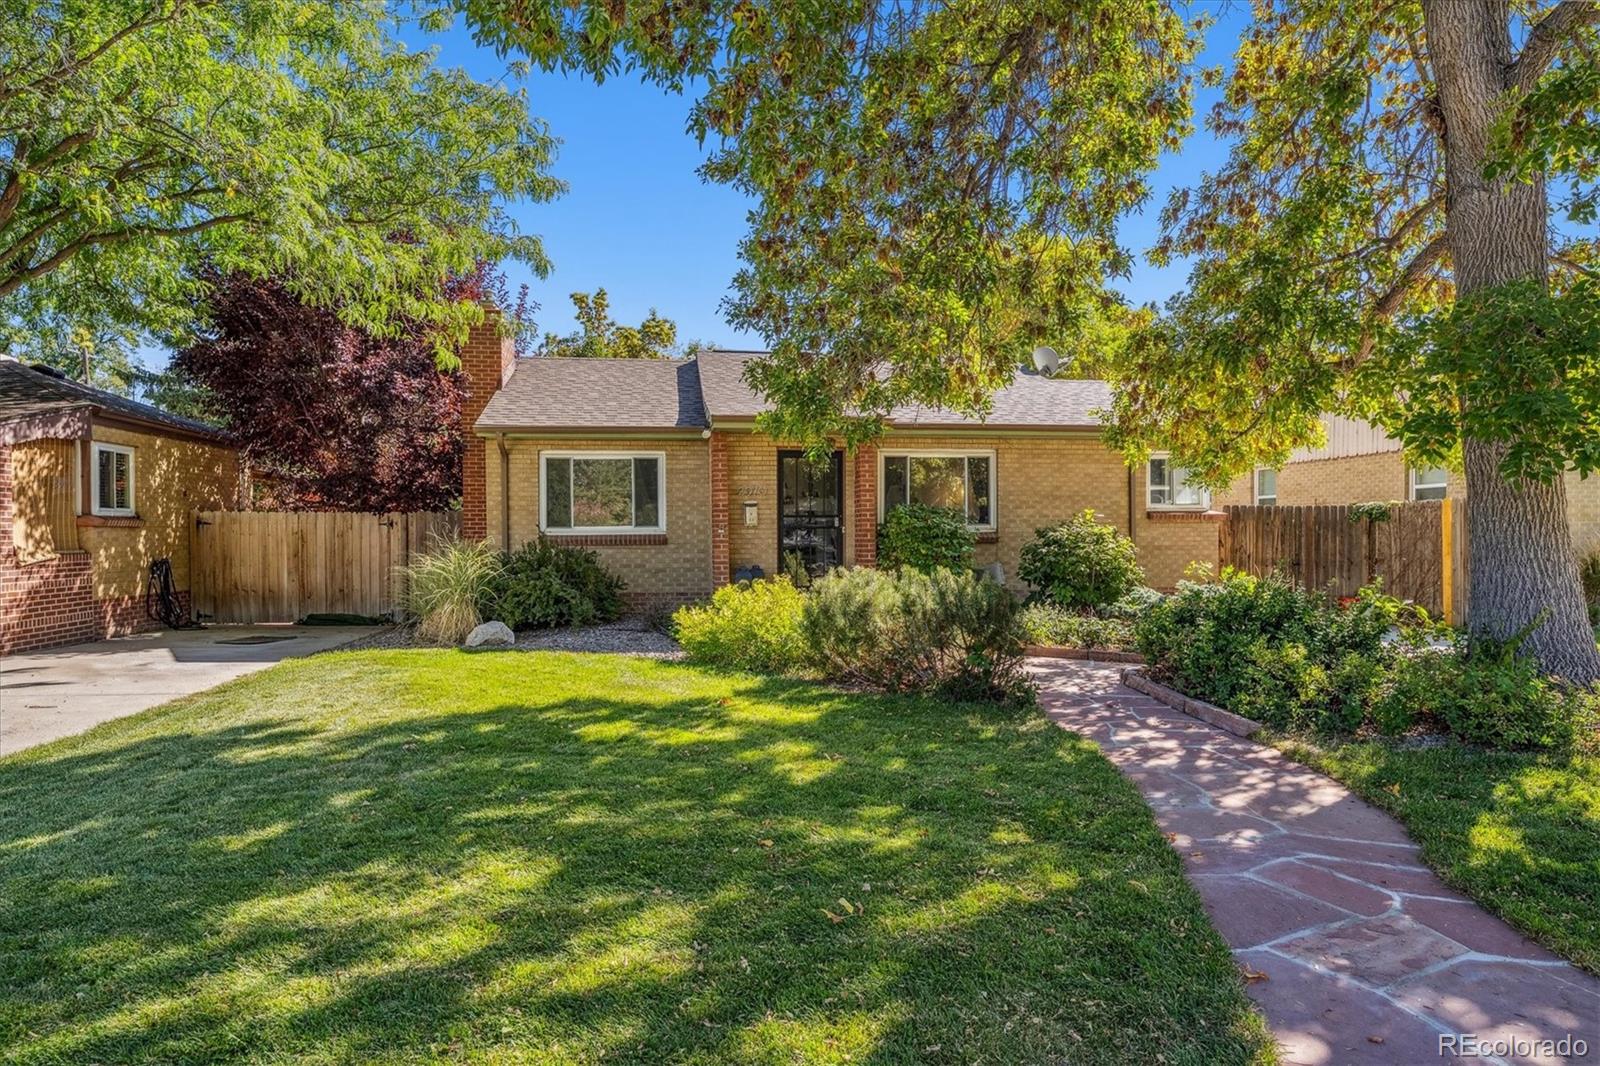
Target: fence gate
x=1419, y=550
x=279, y=566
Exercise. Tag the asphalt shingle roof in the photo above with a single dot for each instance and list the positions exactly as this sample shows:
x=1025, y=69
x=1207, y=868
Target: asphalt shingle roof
x=598, y=394
x=655, y=394
x=1031, y=401
x=26, y=391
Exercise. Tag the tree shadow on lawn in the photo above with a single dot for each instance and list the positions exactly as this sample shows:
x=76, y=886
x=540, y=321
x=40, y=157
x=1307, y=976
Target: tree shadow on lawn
x=688, y=868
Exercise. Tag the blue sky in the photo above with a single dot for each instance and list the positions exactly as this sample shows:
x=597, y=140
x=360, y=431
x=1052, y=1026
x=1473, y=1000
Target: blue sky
x=638, y=221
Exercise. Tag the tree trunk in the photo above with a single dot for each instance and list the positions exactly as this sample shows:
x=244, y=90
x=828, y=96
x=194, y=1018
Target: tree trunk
x=1524, y=571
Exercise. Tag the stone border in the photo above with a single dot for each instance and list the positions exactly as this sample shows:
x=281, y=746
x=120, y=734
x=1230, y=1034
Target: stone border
x=1094, y=655
x=1236, y=724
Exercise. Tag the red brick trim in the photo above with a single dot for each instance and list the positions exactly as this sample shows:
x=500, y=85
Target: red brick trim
x=601, y=540
x=1186, y=516
x=864, y=503
x=487, y=360
x=989, y=536
x=721, y=545
x=110, y=521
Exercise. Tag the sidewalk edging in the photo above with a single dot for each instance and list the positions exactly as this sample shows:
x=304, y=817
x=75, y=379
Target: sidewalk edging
x=1211, y=714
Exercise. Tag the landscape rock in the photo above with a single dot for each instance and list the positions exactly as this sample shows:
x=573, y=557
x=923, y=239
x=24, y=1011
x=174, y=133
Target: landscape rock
x=491, y=635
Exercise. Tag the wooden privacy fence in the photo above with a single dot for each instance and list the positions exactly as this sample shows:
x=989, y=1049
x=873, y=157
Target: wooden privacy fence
x=1419, y=550
x=279, y=566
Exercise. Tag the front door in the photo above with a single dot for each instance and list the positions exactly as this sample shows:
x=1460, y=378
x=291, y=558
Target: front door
x=811, y=510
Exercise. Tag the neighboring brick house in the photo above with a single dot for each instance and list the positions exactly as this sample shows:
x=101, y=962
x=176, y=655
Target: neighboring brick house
x=93, y=488
x=1360, y=463
x=658, y=467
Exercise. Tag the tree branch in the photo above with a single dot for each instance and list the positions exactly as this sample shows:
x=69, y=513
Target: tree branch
x=15, y=281
x=1546, y=40
x=1391, y=300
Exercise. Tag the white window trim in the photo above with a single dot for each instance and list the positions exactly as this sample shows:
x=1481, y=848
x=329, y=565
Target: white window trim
x=601, y=531
x=917, y=453
x=1415, y=484
x=130, y=511
x=1255, y=485
x=1203, y=505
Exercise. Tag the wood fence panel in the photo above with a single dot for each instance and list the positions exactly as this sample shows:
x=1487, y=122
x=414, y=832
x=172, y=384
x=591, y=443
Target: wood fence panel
x=1419, y=551
x=279, y=566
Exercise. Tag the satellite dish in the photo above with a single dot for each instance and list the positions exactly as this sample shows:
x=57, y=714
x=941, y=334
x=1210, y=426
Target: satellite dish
x=1045, y=360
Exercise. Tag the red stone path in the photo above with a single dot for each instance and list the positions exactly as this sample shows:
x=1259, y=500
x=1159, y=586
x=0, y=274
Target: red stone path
x=1365, y=956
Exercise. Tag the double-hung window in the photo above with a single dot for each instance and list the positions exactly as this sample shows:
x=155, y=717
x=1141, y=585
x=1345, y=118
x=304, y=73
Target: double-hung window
x=111, y=477
x=603, y=492
x=960, y=481
x=1266, y=487
x=1429, y=483
x=1168, y=486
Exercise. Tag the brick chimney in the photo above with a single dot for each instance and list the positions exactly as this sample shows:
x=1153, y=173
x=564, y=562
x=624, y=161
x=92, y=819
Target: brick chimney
x=487, y=360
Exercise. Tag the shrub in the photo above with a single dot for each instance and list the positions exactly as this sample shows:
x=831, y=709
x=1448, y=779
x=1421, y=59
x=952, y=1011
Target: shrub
x=919, y=537
x=1496, y=697
x=1268, y=649
x=1134, y=604
x=1081, y=563
x=949, y=633
x=445, y=587
x=1045, y=623
x=754, y=625
x=544, y=584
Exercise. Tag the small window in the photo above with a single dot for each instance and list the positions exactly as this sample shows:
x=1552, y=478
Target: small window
x=1169, y=486
x=1266, y=488
x=962, y=483
x=112, y=473
x=603, y=492
x=1429, y=483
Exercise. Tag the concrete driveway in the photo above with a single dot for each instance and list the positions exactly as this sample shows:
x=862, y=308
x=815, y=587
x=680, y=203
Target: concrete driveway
x=61, y=691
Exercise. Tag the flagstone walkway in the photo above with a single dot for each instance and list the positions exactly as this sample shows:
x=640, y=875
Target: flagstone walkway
x=1353, y=950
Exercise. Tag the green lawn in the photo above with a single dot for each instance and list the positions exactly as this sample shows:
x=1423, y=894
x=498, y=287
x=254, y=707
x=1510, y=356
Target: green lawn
x=1519, y=833
x=553, y=858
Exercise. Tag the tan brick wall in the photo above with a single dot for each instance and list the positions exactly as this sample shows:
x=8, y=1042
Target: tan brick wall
x=1583, y=513
x=1041, y=481
x=172, y=478
x=658, y=575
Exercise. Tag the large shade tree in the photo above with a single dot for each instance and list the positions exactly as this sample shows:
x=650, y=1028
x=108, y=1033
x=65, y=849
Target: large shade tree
x=1382, y=242
x=937, y=185
x=290, y=139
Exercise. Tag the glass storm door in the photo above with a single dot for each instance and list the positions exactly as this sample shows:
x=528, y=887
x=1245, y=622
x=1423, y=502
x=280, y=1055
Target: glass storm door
x=811, y=510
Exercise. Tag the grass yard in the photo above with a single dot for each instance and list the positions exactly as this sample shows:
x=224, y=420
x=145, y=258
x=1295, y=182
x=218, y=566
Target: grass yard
x=418, y=855
x=1519, y=833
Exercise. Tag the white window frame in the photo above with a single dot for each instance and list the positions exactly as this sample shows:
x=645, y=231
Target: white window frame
x=1443, y=485
x=130, y=511
x=661, y=493
x=946, y=453
x=1149, y=489
x=1255, y=484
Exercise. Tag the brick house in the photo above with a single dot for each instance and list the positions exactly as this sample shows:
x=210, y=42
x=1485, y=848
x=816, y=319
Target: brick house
x=1360, y=463
x=658, y=467
x=93, y=488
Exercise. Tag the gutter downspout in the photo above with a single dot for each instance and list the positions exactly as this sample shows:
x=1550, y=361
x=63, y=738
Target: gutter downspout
x=1131, y=490
x=505, y=492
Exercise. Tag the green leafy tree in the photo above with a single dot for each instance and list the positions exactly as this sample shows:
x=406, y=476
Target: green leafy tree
x=598, y=335
x=1380, y=244
x=286, y=138
x=914, y=168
